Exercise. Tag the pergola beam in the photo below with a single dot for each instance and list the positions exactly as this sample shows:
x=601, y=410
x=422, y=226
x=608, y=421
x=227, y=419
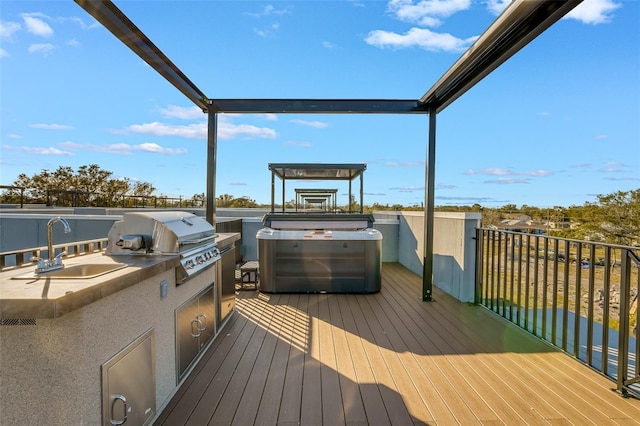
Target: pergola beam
x=521, y=22
x=317, y=106
x=127, y=32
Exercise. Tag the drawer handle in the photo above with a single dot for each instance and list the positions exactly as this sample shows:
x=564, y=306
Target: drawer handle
x=202, y=321
x=124, y=410
x=198, y=327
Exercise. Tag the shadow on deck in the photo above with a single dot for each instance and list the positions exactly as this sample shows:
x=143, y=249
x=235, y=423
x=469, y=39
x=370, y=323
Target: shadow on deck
x=386, y=358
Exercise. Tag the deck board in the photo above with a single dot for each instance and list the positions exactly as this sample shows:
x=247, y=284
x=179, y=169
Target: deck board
x=386, y=359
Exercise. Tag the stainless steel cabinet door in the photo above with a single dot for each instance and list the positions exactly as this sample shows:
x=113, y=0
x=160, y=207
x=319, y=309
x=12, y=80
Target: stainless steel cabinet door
x=129, y=385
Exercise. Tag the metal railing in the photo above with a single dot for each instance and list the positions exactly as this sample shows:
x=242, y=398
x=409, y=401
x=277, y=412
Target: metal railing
x=24, y=257
x=580, y=296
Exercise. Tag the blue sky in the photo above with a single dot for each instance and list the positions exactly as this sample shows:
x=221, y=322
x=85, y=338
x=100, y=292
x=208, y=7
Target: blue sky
x=557, y=124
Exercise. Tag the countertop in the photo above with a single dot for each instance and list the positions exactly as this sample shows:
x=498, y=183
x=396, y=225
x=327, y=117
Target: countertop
x=44, y=297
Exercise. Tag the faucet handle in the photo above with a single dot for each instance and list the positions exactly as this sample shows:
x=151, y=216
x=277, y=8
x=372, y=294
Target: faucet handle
x=61, y=254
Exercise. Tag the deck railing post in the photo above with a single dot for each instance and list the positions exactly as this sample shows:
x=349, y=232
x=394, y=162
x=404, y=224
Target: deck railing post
x=623, y=333
x=477, y=297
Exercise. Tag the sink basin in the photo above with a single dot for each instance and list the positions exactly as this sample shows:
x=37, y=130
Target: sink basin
x=90, y=270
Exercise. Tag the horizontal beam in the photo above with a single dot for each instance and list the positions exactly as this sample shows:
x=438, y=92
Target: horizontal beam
x=127, y=32
x=521, y=22
x=317, y=106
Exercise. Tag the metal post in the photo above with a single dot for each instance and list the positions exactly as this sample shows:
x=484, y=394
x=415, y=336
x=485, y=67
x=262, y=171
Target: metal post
x=273, y=191
x=427, y=268
x=284, y=178
x=361, y=194
x=623, y=337
x=212, y=145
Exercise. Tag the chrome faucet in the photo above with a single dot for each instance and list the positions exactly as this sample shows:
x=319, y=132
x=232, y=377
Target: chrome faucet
x=53, y=262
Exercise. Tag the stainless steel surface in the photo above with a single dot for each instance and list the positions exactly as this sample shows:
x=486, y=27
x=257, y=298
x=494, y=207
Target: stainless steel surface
x=85, y=271
x=320, y=261
x=167, y=232
x=195, y=328
x=129, y=384
x=226, y=283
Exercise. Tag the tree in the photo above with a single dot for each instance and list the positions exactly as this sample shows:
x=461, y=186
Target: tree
x=243, y=202
x=614, y=219
x=224, y=200
x=89, y=185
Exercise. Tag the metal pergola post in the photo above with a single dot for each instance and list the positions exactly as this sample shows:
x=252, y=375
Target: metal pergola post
x=429, y=202
x=212, y=148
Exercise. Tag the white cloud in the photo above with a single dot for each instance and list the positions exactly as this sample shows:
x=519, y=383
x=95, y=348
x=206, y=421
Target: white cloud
x=73, y=42
x=94, y=24
x=300, y=144
x=428, y=13
x=407, y=188
x=184, y=113
x=226, y=130
x=157, y=149
x=44, y=48
x=52, y=126
x=36, y=26
x=594, y=11
x=497, y=6
x=420, y=37
x=508, y=181
x=496, y=171
x=45, y=151
x=405, y=163
x=124, y=149
x=190, y=131
x=328, y=45
x=7, y=29
x=3, y=53
x=14, y=136
x=314, y=124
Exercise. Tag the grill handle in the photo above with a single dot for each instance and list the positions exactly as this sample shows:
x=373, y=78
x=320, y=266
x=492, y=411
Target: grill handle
x=201, y=240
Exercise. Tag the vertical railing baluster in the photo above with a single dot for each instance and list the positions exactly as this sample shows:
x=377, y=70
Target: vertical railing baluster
x=493, y=269
x=487, y=248
x=512, y=275
x=606, y=290
x=536, y=274
x=519, y=296
x=527, y=284
x=554, y=299
x=498, y=280
x=545, y=283
x=590, y=310
x=504, y=281
x=565, y=295
x=578, y=291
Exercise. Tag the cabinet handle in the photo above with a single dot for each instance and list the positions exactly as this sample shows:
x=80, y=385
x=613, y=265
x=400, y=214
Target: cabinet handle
x=198, y=327
x=124, y=410
x=203, y=327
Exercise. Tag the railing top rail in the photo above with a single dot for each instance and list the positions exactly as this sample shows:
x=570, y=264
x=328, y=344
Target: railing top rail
x=571, y=240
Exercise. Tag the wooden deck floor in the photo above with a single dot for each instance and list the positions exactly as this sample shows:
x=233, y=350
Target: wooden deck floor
x=387, y=358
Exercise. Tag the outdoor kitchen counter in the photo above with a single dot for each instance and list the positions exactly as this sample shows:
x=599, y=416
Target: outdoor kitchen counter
x=52, y=298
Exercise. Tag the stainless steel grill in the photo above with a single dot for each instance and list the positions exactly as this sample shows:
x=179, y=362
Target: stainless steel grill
x=166, y=233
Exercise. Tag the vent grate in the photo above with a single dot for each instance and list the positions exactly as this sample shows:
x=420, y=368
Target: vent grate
x=18, y=321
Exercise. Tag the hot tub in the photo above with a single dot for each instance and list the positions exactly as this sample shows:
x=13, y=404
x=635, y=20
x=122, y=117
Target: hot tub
x=320, y=261
x=321, y=254
x=328, y=251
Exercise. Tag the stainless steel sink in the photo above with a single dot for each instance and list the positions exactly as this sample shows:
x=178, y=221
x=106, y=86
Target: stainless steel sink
x=74, y=272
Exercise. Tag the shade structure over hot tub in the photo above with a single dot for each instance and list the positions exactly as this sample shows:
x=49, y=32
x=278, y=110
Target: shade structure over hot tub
x=319, y=252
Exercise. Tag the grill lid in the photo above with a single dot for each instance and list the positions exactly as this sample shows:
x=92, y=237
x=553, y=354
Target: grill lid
x=161, y=232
